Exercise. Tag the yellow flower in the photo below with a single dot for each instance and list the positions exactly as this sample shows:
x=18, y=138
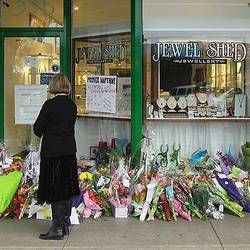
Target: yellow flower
x=86, y=176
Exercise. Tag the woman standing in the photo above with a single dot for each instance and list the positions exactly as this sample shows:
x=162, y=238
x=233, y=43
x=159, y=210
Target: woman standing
x=58, y=180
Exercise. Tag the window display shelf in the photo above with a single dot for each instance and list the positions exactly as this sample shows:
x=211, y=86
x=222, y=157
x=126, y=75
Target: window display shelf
x=203, y=120
x=104, y=117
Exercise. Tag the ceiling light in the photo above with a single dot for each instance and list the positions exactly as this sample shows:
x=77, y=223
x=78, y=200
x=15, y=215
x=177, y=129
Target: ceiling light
x=76, y=8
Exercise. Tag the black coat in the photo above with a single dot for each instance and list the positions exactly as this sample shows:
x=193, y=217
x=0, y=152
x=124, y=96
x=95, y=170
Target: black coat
x=56, y=122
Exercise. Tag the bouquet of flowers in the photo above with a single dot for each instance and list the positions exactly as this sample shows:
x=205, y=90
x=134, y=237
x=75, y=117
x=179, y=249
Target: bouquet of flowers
x=119, y=188
x=101, y=181
x=219, y=196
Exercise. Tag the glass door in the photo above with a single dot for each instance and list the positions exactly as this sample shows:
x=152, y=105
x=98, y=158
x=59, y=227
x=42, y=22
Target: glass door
x=28, y=62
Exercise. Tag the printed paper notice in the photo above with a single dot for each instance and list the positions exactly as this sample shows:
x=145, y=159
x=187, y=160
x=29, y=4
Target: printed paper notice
x=101, y=94
x=28, y=102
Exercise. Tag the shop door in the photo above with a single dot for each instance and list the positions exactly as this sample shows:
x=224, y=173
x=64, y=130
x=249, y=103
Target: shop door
x=28, y=61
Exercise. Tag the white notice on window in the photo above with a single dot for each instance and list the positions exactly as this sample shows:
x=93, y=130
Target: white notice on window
x=101, y=94
x=28, y=102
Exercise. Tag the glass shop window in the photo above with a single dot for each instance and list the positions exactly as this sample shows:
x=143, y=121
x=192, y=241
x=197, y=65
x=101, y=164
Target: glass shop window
x=108, y=56
x=196, y=64
x=26, y=13
x=101, y=84
x=101, y=54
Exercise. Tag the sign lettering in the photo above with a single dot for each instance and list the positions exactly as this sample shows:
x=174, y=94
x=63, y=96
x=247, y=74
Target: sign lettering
x=101, y=54
x=216, y=52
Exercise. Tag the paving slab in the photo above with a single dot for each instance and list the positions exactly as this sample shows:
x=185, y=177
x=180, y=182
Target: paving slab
x=111, y=233
x=146, y=248
x=233, y=232
x=23, y=234
x=239, y=247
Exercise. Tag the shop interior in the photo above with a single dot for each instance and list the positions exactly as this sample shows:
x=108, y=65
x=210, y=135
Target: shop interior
x=167, y=78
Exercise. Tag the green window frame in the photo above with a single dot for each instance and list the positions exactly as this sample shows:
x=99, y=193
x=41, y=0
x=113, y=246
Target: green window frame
x=64, y=33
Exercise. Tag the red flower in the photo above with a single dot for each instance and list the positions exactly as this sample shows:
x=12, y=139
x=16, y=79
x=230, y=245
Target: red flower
x=92, y=196
x=100, y=202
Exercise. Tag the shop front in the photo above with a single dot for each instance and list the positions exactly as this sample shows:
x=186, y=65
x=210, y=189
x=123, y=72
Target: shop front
x=39, y=39
x=196, y=74
x=101, y=54
x=173, y=73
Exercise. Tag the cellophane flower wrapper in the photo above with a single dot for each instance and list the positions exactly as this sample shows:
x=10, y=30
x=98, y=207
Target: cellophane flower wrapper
x=232, y=190
x=4, y=159
x=101, y=182
x=8, y=187
x=150, y=193
x=183, y=194
x=179, y=210
x=7, y=163
x=138, y=198
x=219, y=196
x=169, y=192
x=157, y=193
x=119, y=188
x=31, y=165
x=165, y=206
x=213, y=212
x=246, y=191
x=91, y=206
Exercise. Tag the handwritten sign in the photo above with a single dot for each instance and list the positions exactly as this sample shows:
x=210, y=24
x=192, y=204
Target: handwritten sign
x=101, y=94
x=124, y=95
x=28, y=102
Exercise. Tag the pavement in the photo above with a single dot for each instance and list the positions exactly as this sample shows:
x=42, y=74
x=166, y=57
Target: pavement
x=109, y=233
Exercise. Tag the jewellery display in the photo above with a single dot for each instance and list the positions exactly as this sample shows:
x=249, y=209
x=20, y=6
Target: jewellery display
x=221, y=107
x=150, y=111
x=191, y=100
x=202, y=97
x=161, y=103
x=182, y=103
x=211, y=100
x=171, y=102
x=240, y=105
x=156, y=115
x=199, y=105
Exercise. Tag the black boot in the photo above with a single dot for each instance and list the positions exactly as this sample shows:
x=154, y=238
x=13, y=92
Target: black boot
x=67, y=213
x=66, y=226
x=56, y=231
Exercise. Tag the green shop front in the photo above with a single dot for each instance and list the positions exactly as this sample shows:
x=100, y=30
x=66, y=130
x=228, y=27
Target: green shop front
x=180, y=69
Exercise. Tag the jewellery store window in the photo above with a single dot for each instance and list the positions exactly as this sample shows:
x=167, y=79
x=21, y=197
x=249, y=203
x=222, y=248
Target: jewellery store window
x=196, y=64
x=31, y=13
x=105, y=57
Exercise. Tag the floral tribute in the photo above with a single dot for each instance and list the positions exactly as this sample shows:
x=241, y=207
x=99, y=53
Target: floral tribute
x=160, y=184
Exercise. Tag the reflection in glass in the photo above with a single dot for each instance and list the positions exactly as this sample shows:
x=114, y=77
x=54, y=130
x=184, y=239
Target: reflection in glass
x=30, y=13
x=107, y=55
x=221, y=77
x=26, y=59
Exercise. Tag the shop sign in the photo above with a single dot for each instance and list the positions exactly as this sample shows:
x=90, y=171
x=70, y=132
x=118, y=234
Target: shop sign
x=191, y=52
x=105, y=53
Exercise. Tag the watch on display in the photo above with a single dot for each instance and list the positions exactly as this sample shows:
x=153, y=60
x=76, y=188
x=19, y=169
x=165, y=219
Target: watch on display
x=161, y=102
x=171, y=103
x=191, y=100
x=182, y=102
x=202, y=97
